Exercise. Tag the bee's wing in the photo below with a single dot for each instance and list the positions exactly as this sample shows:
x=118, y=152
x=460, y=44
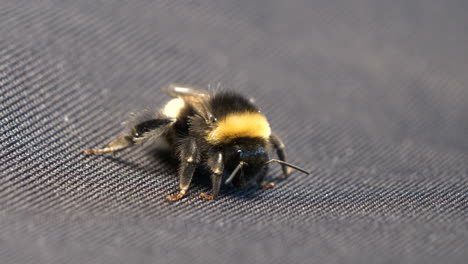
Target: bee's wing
x=185, y=91
x=196, y=97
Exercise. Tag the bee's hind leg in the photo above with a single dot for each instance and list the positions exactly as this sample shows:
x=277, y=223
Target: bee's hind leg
x=117, y=144
x=138, y=134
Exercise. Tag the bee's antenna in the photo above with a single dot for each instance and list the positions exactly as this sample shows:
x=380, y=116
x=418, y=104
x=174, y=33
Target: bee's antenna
x=234, y=172
x=289, y=165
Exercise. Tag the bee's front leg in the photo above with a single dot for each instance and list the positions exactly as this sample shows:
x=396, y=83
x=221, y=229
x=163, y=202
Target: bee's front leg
x=190, y=158
x=280, y=151
x=216, y=164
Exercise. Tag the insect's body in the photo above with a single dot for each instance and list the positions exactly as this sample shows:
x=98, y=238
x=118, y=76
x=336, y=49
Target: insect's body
x=223, y=131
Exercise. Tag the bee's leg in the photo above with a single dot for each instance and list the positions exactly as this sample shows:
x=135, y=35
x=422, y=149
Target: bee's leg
x=261, y=183
x=279, y=147
x=138, y=134
x=216, y=164
x=190, y=158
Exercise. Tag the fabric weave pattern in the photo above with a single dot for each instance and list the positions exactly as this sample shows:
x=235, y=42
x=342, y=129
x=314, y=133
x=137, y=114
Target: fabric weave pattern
x=371, y=97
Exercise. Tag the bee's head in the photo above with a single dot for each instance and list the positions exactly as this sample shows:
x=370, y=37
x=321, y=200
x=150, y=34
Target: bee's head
x=246, y=158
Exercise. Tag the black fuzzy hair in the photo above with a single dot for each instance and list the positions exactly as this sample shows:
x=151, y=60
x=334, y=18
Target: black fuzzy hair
x=225, y=103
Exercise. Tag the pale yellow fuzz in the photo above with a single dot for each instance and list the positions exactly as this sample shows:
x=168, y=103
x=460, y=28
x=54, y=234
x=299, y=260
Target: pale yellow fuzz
x=173, y=107
x=237, y=125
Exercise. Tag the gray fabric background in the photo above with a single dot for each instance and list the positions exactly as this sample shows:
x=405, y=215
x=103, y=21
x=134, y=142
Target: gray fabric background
x=371, y=96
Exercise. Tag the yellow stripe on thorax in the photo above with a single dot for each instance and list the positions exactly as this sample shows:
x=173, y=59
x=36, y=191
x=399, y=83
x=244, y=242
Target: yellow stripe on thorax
x=237, y=125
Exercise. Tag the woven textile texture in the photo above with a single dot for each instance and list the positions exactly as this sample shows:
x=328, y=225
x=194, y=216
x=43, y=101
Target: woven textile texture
x=370, y=96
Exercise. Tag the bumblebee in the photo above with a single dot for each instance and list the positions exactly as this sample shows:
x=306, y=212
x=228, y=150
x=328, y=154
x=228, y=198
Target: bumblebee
x=224, y=131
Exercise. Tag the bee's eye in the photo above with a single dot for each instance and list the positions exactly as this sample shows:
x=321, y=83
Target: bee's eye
x=257, y=152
